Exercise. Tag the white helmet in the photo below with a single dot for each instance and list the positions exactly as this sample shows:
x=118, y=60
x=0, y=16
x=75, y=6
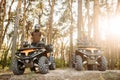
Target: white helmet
x=37, y=27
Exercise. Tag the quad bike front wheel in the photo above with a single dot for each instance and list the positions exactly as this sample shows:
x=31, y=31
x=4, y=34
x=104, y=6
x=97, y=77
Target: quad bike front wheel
x=43, y=65
x=17, y=67
x=103, y=64
x=78, y=63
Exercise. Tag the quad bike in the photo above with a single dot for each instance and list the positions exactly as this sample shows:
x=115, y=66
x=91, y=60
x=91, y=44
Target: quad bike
x=34, y=57
x=90, y=58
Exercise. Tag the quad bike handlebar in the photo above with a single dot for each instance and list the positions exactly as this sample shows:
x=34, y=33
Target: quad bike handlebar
x=29, y=48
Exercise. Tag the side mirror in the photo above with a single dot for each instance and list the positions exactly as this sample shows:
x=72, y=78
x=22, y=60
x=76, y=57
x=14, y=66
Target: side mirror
x=43, y=39
x=25, y=44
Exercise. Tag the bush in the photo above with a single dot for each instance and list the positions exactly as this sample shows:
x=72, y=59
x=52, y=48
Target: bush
x=60, y=63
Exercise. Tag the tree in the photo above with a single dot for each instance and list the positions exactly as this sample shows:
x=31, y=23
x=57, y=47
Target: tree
x=50, y=23
x=16, y=25
x=89, y=20
x=118, y=8
x=8, y=20
x=96, y=20
x=2, y=17
x=79, y=20
x=118, y=13
x=71, y=32
x=24, y=24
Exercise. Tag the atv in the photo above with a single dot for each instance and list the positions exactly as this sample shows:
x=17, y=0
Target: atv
x=89, y=58
x=37, y=58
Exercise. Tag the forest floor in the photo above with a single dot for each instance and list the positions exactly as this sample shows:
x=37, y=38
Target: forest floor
x=64, y=74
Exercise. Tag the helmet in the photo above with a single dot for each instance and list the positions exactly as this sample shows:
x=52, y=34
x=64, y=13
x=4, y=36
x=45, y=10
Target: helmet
x=37, y=27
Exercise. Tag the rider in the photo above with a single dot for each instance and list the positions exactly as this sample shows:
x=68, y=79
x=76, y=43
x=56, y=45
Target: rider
x=36, y=35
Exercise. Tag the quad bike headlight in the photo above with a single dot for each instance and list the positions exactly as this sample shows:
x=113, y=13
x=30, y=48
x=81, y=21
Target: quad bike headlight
x=99, y=52
x=19, y=54
x=84, y=51
x=92, y=51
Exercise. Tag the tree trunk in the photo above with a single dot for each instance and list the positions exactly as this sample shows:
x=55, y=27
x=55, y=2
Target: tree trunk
x=24, y=24
x=118, y=13
x=71, y=33
x=51, y=4
x=108, y=39
x=89, y=23
x=2, y=16
x=62, y=54
x=79, y=20
x=118, y=8
x=96, y=19
x=15, y=29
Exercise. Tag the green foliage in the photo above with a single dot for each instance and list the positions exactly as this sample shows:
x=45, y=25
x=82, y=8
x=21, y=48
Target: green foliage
x=60, y=63
x=5, y=60
x=8, y=61
x=118, y=64
x=7, y=64
x=40, y=5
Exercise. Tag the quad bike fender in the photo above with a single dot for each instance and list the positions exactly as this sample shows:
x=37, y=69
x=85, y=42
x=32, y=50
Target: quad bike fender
x=77, y=52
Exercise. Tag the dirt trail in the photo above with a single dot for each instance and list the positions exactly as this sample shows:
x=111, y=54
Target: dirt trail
x=64, y=74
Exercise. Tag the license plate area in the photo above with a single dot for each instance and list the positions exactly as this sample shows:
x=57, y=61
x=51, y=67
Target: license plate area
x=91, y=61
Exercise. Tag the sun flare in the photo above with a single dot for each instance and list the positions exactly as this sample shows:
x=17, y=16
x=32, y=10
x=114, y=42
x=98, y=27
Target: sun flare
x=115, y=26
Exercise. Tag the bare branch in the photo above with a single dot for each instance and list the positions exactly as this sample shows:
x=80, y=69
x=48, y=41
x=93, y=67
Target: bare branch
x=50, y=3
x=9, y=13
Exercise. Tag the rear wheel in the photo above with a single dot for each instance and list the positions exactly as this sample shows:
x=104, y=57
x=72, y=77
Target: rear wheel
x=17, y=67
x=78, y=64
x=103, y=64
x=43, y=65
